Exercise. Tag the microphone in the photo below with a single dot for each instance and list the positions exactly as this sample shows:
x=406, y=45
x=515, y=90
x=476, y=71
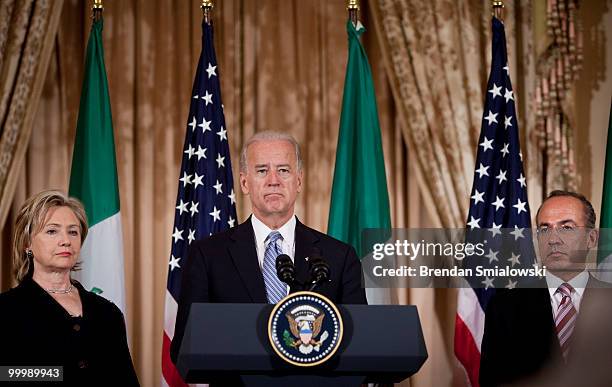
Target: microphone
x=319, y=269
x=285, y=269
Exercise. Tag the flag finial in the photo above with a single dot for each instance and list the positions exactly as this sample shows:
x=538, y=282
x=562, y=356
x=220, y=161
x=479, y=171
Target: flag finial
x=97, y=9
x=353, y=7
x=207, y=6
x=498, y=9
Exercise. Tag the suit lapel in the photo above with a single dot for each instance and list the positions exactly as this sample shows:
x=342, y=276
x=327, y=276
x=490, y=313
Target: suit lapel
x=244, y=255
x=305, y=241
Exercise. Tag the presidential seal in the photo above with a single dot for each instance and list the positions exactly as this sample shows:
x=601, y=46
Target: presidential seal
x=305, y=329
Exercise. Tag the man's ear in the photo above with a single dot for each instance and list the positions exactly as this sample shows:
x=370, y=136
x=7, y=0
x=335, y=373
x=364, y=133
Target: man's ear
x=592, y=239
x=300, y=176
x=244, y=185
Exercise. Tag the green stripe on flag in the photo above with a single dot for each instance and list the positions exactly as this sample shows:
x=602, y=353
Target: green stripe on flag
x=93, y=177
x=605, y=221
x=359, y=193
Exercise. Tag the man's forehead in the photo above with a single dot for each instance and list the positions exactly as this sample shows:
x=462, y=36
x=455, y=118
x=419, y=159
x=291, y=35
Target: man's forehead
x=561, y=209
x=271, y=152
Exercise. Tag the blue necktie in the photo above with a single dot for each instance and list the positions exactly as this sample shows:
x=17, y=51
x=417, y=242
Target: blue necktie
x=275, y=288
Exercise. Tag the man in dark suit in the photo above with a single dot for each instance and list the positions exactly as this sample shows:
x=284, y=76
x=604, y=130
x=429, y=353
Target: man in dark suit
x=237, y=266
x=536, y=332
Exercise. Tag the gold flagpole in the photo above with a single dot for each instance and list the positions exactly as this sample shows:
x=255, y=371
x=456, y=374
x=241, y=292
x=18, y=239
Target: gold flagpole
x=498, y=9
x=97, y=9
x=353, y=9
x=207, y=6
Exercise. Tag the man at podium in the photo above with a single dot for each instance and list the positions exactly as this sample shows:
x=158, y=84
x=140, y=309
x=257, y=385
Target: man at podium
x=239, y=265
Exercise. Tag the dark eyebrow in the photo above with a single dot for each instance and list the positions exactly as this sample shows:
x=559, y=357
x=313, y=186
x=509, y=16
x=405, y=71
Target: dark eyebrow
x=559, y=222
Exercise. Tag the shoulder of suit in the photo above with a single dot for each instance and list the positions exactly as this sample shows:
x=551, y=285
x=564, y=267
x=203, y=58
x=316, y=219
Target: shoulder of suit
x=335, y=243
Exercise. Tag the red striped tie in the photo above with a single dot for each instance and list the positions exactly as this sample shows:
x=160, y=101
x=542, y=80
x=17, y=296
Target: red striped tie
x=566, y=317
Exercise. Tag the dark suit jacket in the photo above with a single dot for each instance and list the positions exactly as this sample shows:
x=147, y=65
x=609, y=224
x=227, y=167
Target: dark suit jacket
x=36, y=330
x=224, y=268
x=520, y=339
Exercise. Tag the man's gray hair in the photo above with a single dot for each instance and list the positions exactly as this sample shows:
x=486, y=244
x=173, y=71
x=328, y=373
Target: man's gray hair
x=269, y=135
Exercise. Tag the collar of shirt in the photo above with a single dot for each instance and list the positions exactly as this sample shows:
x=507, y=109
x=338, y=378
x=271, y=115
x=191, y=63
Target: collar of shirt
x=262, y=231
x=579, y=282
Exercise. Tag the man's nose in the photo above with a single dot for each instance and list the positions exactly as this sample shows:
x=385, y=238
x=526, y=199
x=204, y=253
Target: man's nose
x=554, y=238
x=272, y=178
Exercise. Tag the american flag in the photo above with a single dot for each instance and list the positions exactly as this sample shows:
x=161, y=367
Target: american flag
x=498, y=200
x=205, y=203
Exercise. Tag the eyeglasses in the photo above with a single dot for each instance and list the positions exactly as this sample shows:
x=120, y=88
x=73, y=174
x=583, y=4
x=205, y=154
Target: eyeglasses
x=564, y=231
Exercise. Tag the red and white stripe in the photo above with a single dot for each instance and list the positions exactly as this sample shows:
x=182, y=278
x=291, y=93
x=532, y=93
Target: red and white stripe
x=469, y=329
x=170, y=375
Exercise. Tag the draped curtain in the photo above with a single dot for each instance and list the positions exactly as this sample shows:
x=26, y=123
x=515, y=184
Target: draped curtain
x=27, y=32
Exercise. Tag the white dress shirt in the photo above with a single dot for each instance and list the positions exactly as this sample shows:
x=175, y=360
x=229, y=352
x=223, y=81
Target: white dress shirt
x=262, y=231
x=579, y=282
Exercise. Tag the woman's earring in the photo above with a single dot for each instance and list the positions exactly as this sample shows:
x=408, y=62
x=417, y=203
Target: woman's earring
x=29, y=254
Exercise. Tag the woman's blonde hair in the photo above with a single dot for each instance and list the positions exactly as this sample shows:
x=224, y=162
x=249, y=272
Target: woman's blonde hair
x=30, y=220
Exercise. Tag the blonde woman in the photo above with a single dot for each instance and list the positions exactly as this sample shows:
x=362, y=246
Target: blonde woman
x=49, y=319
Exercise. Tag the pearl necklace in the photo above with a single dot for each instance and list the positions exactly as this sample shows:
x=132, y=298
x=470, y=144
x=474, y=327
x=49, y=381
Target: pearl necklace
x=61, y=291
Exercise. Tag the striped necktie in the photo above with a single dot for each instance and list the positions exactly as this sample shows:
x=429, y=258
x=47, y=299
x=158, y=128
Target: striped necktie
x=275, y=288
x=565, y=318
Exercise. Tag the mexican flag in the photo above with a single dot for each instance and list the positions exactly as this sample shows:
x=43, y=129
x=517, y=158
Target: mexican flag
x=93, y=180
x=604, y=256
x=359, y=197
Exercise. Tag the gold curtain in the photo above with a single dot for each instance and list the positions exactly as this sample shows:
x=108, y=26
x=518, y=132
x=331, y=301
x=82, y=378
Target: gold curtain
x=27, y=33
x=282, y=66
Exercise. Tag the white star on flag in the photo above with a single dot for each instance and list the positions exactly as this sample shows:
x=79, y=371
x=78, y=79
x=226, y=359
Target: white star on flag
x=218, y=188
x=488, y=283
x=201, y=152
x=473, y=223
x=496, y=90
x=492, y=255
x=190, y=151
x=492, y=117
x=215, y=214
x=222, y=134
x=514, y=259
x=182, y=207
x=194, y=208
x=486, y=144
x=219, y=161
x=205, y=125
x=501, y=177
x=197, y=180
x=520, y=206
x=207, y=98
x=174, y=262
x=478, y=197
x=499, y=203
x=177, y=235
x=211, y=70
x=186, y=179
x=482, y=171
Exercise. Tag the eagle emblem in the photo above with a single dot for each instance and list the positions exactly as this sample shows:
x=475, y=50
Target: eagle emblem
x=305, y=329
x=305, y=324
